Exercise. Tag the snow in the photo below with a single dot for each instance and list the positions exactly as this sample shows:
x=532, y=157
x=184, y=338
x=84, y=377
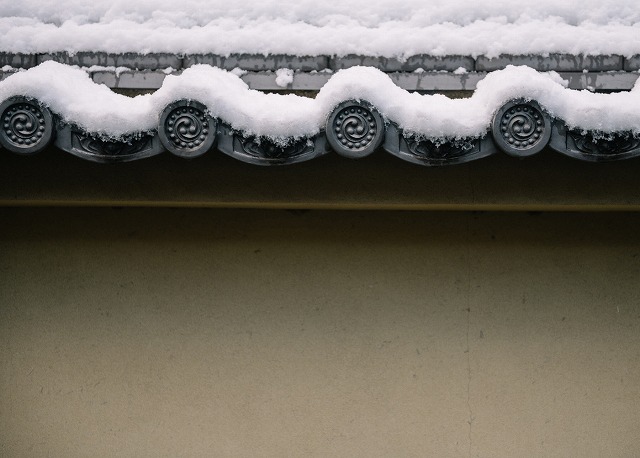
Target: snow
x=238, y=72
x=305, y=27
x=70, y=93
x=284, y=77
x=100, y=68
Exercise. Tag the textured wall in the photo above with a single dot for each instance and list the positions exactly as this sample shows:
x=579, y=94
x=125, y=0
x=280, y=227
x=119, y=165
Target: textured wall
x=357, y=334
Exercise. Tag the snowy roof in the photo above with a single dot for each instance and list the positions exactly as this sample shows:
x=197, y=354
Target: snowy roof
x=309, y=28
x=517, y=110
x=424, y=45
x=206, y=58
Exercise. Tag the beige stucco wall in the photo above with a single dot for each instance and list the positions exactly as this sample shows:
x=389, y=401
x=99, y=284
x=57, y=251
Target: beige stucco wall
x=129, y=332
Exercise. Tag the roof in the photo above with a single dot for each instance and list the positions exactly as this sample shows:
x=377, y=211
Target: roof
x=309, y=73
x=379, y=28
x=532, y=82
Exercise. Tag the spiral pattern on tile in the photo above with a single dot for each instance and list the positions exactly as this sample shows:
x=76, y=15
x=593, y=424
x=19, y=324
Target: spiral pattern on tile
x=187, y=127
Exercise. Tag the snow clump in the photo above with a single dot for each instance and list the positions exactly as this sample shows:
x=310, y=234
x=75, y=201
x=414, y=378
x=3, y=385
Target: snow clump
x=284, y=77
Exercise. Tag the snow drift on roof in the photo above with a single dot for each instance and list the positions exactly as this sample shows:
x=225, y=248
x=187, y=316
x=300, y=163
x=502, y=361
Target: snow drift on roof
x=71, y=94
x=307, y=27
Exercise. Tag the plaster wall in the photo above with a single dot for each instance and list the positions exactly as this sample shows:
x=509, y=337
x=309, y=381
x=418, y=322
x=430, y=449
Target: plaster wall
x=246, y=333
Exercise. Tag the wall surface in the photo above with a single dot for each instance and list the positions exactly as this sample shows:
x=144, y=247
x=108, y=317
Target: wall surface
x=246, y=333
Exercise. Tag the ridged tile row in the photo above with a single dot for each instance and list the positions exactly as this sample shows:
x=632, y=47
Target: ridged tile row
x=354, y=129
x=420, y=72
